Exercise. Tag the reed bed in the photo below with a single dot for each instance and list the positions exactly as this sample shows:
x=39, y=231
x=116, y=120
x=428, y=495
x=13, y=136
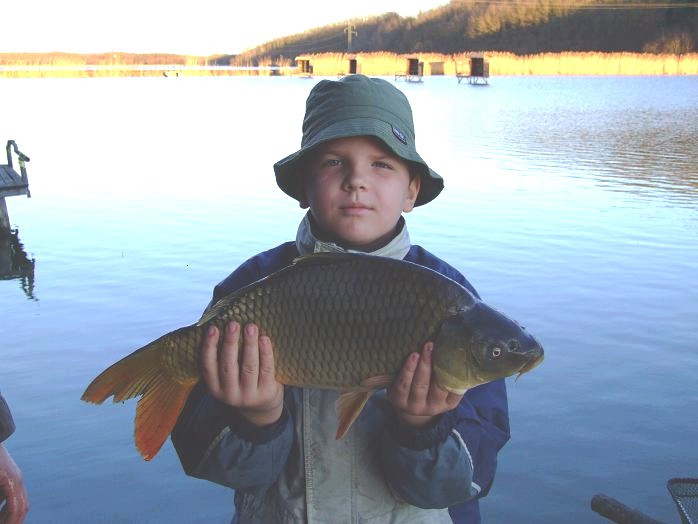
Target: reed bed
x=509, y=64
x=372, y=64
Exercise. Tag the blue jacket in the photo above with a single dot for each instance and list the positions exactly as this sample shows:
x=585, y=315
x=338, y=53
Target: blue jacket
x=451, y=464
x=7, y=425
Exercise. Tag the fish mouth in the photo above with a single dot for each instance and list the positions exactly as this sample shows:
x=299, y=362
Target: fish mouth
x=537, y=357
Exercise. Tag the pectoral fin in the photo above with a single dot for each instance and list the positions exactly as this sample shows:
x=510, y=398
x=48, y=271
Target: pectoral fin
x=377, y=382
x=349, y=406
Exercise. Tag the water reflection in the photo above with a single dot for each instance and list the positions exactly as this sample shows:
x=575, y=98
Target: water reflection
x=15, y=264
x=631, y=135
x=639, y=153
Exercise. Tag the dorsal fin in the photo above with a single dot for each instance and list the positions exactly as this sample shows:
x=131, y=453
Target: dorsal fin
x=213, y=311
x=323, y=258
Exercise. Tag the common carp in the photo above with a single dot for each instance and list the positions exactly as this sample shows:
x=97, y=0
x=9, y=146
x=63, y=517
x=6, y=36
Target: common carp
x=337, y=321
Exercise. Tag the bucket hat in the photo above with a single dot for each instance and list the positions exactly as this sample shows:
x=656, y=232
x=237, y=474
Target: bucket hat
x=357, y=105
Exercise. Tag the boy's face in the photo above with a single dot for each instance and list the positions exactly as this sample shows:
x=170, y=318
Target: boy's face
x=357, y=189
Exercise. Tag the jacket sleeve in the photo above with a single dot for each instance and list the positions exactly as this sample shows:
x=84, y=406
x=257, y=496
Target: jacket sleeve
x=7, y=425
x=212, y=441
x=216, y=444
x=454, y=460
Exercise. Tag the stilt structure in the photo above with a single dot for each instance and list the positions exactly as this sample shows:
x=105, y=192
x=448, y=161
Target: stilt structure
x=413, y=72
x=12, y=183
x=304, y=68
x=478, y=70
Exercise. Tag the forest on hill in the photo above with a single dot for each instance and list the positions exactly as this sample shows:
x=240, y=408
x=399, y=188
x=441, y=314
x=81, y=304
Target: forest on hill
x=516, y=26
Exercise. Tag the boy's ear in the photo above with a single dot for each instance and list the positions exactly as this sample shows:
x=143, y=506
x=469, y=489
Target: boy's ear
x=412, y=192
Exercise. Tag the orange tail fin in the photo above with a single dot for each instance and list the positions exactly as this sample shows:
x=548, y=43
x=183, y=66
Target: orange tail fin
x=163, y=395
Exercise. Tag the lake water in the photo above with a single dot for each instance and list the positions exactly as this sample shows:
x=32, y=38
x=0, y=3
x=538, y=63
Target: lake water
x=570, y=203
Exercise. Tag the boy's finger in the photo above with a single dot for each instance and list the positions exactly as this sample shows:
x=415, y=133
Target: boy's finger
x=228, y=356
x=249, y=371
x=266, y=362
x=209, y=359
x=422, y=375
x=403, y=383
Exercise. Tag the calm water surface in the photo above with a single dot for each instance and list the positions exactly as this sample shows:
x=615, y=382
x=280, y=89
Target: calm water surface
x=570, y=203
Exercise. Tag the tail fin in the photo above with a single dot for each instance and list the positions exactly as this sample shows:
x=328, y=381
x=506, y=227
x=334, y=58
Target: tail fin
x=163, y=395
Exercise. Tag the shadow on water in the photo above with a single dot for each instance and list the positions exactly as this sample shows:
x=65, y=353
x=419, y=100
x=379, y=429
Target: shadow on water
x=15, y=264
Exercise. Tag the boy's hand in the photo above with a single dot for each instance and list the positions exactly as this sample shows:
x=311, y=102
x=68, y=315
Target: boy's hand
x=248, y=383
x=415, y=396
x=12, y=490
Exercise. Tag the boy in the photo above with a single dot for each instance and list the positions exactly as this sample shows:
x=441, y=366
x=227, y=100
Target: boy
x=416, y=449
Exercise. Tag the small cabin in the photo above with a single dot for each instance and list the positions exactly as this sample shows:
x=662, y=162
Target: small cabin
x=350, y=66
x=478, y=70
x=414, y=70
x=436, y=68
x=304, y=68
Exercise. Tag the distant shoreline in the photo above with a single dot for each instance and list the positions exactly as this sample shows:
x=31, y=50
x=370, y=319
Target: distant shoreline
x=62, y=65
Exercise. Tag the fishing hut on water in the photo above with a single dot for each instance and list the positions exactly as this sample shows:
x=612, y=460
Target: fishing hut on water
x=350, y=66
x=478, y=70
x=304, y=68
x=413, y=72
x=12, y=183
x=353, y=65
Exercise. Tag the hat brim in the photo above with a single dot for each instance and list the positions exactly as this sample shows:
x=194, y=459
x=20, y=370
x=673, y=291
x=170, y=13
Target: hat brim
x=291, y=182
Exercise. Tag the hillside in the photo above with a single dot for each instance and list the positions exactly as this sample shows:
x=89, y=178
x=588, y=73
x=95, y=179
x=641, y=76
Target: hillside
x=516, y=26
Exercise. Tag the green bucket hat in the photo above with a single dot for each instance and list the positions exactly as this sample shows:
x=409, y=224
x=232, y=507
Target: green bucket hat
x=358, y=106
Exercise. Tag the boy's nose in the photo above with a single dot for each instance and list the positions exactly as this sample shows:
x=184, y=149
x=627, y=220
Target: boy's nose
x=354, y=179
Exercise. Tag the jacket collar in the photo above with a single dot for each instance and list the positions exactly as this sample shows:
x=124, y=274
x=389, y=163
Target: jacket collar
x=307, y=242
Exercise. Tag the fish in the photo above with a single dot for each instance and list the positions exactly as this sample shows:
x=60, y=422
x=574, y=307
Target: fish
x=342, y=321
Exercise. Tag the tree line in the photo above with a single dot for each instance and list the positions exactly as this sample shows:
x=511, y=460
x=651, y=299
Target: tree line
x=516, y=26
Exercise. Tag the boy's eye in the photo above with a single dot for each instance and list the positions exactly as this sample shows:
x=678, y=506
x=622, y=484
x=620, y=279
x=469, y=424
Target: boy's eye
x=331, y=162
x=383, y=165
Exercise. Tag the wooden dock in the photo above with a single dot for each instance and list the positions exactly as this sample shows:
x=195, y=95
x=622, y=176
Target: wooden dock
x=12, y=183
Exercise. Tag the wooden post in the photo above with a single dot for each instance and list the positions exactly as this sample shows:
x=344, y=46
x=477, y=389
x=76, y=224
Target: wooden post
x=4, y=218
x=618, y=512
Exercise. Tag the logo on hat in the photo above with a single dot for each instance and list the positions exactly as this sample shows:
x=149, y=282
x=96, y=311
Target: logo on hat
x=399, y=134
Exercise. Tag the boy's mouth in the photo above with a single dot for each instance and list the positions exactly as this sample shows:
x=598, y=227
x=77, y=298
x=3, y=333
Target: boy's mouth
x=355, y=208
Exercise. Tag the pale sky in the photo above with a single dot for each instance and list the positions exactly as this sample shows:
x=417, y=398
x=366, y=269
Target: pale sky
x=200, y=27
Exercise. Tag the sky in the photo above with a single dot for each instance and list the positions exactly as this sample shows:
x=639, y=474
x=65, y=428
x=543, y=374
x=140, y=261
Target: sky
x=201, y=27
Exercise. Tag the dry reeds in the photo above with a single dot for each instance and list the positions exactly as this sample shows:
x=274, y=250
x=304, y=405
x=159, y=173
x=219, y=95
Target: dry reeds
x=509, y=64
x=334, y=64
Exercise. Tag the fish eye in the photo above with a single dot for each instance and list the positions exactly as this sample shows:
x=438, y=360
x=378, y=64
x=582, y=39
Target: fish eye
x=495, y=352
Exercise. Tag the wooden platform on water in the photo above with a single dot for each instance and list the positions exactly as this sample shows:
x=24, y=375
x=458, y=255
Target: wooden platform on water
x=11, y=182
x=478, y=70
